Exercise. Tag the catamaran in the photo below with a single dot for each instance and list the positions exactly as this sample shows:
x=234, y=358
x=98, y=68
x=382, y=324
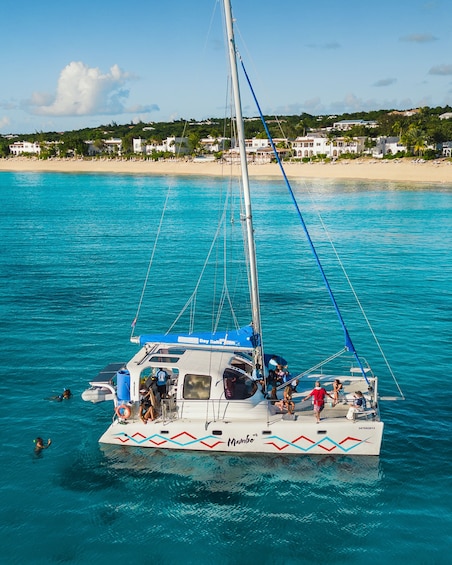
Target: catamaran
x=218, y=391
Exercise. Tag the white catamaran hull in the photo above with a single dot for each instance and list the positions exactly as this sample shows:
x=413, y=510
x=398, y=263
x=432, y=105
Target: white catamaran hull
x=283, y=436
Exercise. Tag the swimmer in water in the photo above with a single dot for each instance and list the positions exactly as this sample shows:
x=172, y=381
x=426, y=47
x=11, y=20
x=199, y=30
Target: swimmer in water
x=65, y=396
x=39, y=444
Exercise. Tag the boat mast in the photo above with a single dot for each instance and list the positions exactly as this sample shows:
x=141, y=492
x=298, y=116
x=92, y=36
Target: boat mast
x=254, y=290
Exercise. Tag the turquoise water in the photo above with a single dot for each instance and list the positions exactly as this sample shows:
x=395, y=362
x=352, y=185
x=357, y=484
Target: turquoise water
x=74, y=254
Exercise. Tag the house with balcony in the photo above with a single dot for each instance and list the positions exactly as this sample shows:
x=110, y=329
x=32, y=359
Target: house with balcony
x=113, y=146
x=309, y=146
x=21, y=147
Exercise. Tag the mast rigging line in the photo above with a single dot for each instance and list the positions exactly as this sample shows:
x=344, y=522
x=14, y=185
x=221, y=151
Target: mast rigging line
x=192, y=299
x=151, y=260
x=348, y=341
x=355, y=295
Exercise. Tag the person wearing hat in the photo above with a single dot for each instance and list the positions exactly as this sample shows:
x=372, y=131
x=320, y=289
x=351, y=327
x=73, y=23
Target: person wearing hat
x=359, y=405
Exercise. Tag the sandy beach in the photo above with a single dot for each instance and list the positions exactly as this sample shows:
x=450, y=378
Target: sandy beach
x=407, y=170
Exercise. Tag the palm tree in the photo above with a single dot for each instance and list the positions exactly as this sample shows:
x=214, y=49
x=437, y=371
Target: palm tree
x=415, y=139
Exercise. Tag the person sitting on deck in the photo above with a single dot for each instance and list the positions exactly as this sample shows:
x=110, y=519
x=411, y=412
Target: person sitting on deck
x=148, y=410
x=359, y=405
x=286, y=403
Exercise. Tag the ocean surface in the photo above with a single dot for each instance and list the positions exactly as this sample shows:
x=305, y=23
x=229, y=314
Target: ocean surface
x=74, y=255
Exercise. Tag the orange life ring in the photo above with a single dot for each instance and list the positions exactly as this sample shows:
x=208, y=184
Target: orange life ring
x=123, y=411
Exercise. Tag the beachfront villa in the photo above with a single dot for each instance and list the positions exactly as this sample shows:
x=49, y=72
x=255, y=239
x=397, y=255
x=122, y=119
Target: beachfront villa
x=214, y=144
x=25, y=147
x=172, y=144
x=387, y=146
x=320, y=145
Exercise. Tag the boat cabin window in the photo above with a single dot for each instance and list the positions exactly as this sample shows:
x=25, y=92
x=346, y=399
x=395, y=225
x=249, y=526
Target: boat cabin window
x=176, y=351
x=238, y=386
x=163, y=359
x=197, y=387
x=242, y=364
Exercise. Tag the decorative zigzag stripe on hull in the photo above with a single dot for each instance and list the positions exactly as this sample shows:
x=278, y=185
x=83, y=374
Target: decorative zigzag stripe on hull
x=303, y=444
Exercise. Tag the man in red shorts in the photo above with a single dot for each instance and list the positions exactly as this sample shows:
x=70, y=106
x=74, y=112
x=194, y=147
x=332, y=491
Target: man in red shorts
x=318, y=394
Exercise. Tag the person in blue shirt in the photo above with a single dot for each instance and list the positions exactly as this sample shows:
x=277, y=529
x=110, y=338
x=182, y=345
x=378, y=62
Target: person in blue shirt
x=162, y=379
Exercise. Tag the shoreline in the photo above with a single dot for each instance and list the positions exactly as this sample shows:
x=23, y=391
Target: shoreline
x=409, y=170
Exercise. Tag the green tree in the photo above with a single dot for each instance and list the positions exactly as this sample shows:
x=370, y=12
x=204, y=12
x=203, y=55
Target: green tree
x=194, y=145
x=127, y=144
x=415, y=140
x=4, y=147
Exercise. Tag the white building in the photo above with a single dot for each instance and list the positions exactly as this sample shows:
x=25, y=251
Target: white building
x=317, y=145
x=345, y=125
x=138, y=145
x=213, y=144
x=447, y=149
x=387, y=146
x=113, y=145
x=310, y=146
x=175, y=145
x=20, y=147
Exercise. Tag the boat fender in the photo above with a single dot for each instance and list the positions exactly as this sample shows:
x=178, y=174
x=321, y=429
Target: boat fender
x=123, y=411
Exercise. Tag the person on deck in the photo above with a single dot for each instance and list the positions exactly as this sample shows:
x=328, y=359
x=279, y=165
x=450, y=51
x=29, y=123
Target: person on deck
x=162, y=379
x=337, y=388
x=318, y=394
x=287, y=403
x=148, y=409
x=359, y=405
x=280, y=375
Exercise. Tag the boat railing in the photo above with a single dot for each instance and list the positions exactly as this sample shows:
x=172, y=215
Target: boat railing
x=169, y=409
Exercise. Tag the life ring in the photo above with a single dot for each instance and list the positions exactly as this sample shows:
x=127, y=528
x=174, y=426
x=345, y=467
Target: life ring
x=123, y=411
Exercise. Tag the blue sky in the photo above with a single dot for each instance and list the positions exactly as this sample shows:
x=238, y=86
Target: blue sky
x=69, y=65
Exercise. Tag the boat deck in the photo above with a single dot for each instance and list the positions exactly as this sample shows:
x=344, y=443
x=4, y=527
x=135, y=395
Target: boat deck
x=304, y=410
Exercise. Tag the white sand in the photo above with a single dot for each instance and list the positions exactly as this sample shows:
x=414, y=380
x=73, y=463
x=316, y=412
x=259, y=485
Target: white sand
x=407, y=170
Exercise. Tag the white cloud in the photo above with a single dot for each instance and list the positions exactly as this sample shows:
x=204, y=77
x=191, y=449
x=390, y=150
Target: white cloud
x=83, y=91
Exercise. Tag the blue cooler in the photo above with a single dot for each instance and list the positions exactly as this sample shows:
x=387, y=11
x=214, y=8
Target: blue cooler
x=123, y=385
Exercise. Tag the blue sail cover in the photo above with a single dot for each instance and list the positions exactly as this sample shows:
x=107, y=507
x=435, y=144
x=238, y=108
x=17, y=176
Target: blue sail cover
x=243, y=337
